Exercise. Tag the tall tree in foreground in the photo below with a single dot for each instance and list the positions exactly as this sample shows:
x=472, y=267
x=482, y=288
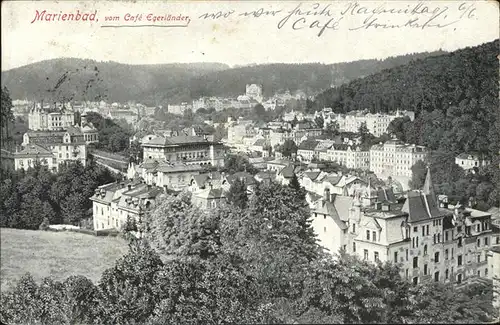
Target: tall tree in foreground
x=237, y=194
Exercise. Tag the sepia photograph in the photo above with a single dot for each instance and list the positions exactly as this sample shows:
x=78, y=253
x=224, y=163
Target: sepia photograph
x=250, y=162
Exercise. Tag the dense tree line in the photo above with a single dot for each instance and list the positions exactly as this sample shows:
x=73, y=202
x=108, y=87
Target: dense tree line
x=112, y=136
x=257, y=263
x=29, y=197
x=160, y=84
x=454, y=96
x=479, y=186
x=83, y=79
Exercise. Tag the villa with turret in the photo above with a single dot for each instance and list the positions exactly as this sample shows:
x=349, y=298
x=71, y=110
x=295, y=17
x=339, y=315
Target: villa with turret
x=54, y=137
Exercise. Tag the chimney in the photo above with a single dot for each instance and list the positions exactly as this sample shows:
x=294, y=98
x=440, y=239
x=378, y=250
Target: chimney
x=326, y=195
x=129, y=186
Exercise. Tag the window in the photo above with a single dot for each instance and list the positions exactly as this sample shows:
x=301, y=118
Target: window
x=485, y=272
x=459, y=260
x=459, y=228
x=439, y=238
x=446, y=236
x=415, y=229
x=478, y=273
x=452, y=253
x=423, y=230
x=374, y=235
x=407, y=254
x=478, y=242
x=478, y=228
x=354, y=247
x=436, y=257
x=460, y=242
x=425, y=269
x=434, y=238
x=425, y=250
x=436, y=276
x=459, y=278
x=395, y=257
x=415, y=280
x=406, y=273
x=365, y=257
x=415, y=262
x=427, y=230
x=479, y=258
x=375, y=255
x=497, y=240
x=446, y=254
x=485, y=241
x=447, y=274
x=353, y=227
x=368, y=235
x=417, y=241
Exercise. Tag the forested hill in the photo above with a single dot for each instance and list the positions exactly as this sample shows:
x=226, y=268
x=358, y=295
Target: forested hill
x=309, y=77
x=455, y=97
x=81, y=79
x=160, y=84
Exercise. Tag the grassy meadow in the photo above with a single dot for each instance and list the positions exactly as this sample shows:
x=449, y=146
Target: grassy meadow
x=55, y=254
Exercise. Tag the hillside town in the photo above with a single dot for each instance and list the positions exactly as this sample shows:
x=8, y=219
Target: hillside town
x=366, y=208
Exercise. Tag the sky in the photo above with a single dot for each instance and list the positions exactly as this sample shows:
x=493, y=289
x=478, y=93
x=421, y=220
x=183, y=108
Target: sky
x=242, y=39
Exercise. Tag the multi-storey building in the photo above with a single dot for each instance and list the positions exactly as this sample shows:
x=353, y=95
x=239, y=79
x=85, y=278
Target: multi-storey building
x=494, y=264
x=47, y=118
x=429, y=240
x=64, y=146
x=395, y=158
x=349, y=156
x=115, y=204
x=377, y=123
x=469, y=161
x=184, y=149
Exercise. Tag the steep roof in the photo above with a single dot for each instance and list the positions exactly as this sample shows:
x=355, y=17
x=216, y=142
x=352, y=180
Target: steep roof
x=338, y=210
x=211, y=193
x=385, y=194
x=420, y=207
x=309, y=144
x=312, y=175
x=33, y=150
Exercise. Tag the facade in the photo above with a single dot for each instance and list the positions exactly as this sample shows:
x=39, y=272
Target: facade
x=52, y=119
x=164, y=174
x=305, y=151
x=469, y=161
x=428, y=239
x=349, y=156
x=90, y=133
x=183, y=149
x=179, y=109
x=494, y=264
x=65, y=146
x=116, y=203
x=377, y=123
x=395, y=158
x=33, y=154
